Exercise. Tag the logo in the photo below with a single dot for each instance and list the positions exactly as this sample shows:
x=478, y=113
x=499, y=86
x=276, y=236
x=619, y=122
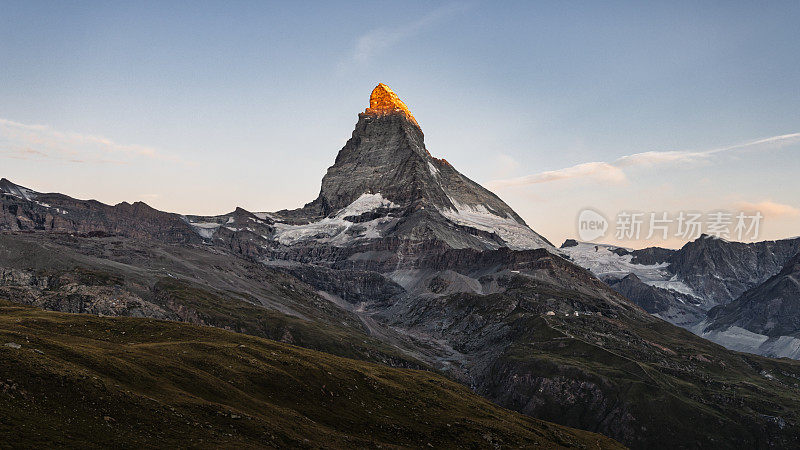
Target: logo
x=591, y=225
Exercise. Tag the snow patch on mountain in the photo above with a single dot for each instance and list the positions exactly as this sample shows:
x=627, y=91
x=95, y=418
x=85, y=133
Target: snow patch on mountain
x=601, y=260
x=742, y=340
x=16, y=190
x=365, y=203
x=336, y=230
x=673, y=284
x=433, y=169
x=516, y=235
x=206, y=230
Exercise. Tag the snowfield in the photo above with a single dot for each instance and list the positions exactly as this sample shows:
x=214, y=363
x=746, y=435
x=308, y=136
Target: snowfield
x=516, y=235
x=742, y=340
x=604, y=263
x=206, y=230
x=334, y=230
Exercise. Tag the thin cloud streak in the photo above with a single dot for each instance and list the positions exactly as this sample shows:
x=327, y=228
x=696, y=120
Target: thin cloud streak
x=770, y=209
x=613, y=173
x=380, y=39
x=25, y=141
x=600, y=171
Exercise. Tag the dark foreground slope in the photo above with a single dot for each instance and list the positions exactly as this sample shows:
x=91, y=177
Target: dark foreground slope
x=85, y=381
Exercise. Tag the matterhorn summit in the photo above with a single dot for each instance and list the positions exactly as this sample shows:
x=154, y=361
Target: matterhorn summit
x=414, y=197
x=384, y=101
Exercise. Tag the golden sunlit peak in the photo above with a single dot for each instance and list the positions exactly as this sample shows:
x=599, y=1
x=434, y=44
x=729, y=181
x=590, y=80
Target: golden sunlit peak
x=384, y=101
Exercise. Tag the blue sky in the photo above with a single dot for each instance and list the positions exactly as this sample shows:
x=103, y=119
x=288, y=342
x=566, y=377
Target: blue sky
x=199, y=107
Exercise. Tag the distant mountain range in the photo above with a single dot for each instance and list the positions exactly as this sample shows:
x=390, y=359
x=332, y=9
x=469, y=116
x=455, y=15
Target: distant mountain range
x=403, y=261
x=724, y=291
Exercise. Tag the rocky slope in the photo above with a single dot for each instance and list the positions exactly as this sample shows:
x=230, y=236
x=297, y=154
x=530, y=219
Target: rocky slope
x=118, y=276
x=644, y=276
x=675, y=307
x=720, y=270
x=764, y=320
x=772, y=308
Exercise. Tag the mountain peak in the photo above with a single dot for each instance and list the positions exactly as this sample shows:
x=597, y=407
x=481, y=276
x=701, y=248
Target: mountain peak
x=384, y=101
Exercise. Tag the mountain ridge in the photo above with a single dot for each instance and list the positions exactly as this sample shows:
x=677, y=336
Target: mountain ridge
x=705, y=286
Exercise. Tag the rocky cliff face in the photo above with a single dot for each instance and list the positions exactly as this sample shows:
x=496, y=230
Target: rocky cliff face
x=79, y=291
x=720, y=271
x=675, y=307
x=772, y=308
x=386, y=155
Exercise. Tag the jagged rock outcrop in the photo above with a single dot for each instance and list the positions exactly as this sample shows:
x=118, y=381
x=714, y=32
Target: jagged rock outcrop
x=720, y=270
x=77, y=291
x=771, y=309
x=675, y=307
x=383, y=101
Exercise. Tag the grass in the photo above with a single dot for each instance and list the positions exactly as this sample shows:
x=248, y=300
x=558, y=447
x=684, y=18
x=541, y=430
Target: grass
x=201, y=285
x=86, y=381
x=231, y=313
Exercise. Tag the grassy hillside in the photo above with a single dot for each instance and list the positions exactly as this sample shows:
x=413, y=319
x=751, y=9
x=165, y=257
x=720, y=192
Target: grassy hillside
x=78, y=380
x=198, y=284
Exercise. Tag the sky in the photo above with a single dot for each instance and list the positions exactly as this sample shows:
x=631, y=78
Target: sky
x=618, y=107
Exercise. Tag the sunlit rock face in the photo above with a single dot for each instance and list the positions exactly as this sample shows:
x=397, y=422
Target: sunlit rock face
x=384, y=101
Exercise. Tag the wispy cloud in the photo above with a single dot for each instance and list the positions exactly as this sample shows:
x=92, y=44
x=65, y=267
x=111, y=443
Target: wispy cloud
x=654, y=158
x=599, y=171
x=25, y=141
x=614, y=172
x=380, y=39
x=770, y=209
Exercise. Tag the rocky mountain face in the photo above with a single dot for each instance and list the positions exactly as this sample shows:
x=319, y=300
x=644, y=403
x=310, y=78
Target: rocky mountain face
x=675, y=307
x=385, y=186
x=681, y=286
x=764, y=320
x=386, y=155
x=772, y=308
x=22, y=209
x=720, y=271
x=643, y=276
x=403, y=260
